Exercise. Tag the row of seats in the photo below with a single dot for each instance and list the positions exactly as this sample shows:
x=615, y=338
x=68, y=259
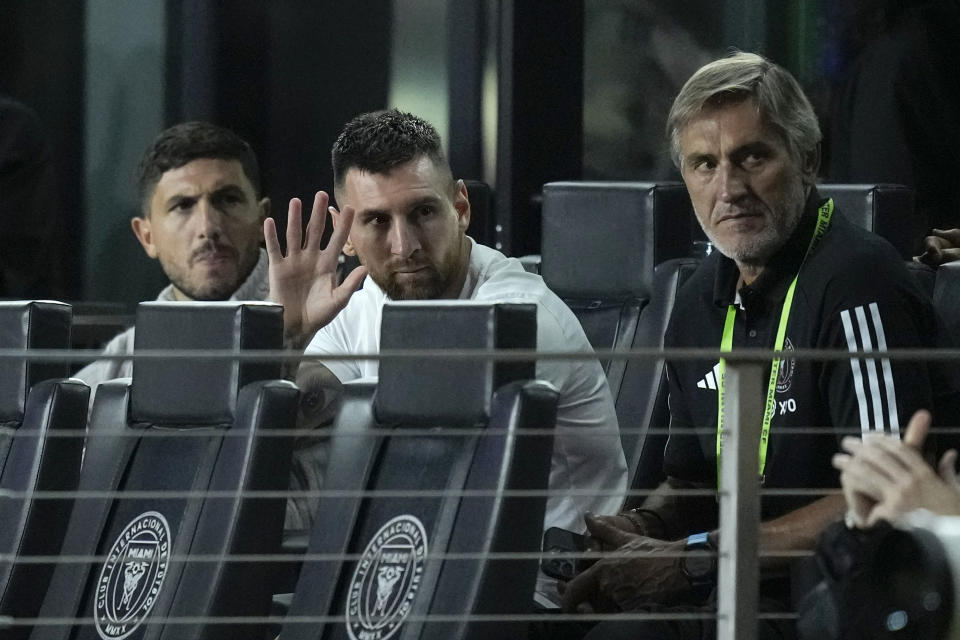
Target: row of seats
x=186, y=464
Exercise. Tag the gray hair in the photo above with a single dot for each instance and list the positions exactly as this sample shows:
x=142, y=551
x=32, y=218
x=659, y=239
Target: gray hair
x=782, y=103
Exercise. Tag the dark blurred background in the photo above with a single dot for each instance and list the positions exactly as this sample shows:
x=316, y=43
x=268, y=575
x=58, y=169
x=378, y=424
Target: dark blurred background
x=523, y=92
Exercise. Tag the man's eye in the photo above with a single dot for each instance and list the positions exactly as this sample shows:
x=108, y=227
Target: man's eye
x=703, y=166
x=182, y=205
x=227, y=201
x=424, y=211
x=753, y=160
x=377, y=221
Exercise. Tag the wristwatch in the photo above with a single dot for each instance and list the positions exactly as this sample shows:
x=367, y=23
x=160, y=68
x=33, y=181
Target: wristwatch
x=699, y=562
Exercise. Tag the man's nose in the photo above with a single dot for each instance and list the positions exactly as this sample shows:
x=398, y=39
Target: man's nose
x=403, y=239
x=733, y=183
x=209, y=220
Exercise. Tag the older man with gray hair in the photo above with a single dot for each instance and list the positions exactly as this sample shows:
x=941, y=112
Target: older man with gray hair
x=789, y=272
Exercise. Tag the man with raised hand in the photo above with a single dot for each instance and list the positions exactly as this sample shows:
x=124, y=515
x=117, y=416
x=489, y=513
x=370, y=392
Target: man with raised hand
x=789, y=273
x=405, y=217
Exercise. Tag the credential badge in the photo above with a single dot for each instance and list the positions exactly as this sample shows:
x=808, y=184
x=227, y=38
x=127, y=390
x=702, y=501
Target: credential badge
x=386, y=579
x=132, y=576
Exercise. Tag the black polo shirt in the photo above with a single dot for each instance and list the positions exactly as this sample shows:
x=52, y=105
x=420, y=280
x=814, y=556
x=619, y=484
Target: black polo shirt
x=853, y=292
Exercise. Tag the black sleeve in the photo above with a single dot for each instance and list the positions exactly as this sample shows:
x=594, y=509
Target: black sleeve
x=877, y=394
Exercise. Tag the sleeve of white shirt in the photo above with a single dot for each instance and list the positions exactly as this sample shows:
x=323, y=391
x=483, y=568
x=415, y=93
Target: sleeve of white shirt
x=335, y=339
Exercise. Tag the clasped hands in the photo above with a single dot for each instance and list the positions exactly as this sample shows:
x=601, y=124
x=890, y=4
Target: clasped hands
x=640, y=571
x=884, y=478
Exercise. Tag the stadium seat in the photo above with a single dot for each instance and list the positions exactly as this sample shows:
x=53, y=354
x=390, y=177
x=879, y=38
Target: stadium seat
x=172, y=457
x=36, y=401
x=946, y=299
x=601, y=241
x=642, y=403
x=422, y=467
x=886, y=209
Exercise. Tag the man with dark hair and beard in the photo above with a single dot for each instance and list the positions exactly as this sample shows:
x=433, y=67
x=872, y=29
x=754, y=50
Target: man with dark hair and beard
x=199, y=188
x=405, y=217
x=789, y=273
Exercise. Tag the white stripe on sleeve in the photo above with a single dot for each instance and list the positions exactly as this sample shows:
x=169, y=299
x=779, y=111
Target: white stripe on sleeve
x=887, y=372
x=875, y=397
x=855, y=370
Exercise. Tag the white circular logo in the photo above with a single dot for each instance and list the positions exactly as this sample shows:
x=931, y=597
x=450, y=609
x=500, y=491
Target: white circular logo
x=787, y=366
x=386, y=579
x=132, y=576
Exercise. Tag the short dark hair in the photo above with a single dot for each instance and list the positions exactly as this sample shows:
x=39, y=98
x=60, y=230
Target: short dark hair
x=189, y=141
x=379, y=141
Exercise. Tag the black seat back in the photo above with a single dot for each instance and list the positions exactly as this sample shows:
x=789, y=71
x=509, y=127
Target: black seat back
x=172, y=457
x=888, y=210
x=946, y=299
x=42, y=423
x=601, y=241
x=422, y=467
x=642, y=406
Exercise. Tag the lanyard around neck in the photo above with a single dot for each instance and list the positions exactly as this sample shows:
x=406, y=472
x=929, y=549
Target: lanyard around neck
x=726, y=344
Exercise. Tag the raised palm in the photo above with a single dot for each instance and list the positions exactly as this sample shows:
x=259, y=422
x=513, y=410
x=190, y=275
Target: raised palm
x=305, y=280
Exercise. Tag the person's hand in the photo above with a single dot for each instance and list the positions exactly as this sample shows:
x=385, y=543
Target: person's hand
x=884, y=478
x=942, y=246
x=305, y=281
x=612, y=531
x=635, y=574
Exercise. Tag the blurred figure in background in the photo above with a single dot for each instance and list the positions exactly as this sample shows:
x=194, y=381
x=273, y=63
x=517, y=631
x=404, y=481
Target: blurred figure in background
x=896, y=118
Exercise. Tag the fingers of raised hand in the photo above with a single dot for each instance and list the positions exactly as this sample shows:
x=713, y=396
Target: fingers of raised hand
x=318, y=220
x=270, y=240
x=294, y=225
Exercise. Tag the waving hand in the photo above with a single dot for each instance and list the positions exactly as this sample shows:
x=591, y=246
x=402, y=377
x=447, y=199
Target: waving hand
x=305, y=280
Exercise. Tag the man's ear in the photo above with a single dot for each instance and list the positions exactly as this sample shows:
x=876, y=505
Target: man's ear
x=141, y=229
x=461, y=202
x=348, y=247
x=810, y=164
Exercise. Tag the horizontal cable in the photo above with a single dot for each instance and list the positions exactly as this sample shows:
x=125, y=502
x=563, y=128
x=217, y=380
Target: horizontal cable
x=329, y=433
x=502, y=355
x=172, y=494
x=413, y=617
x=298, y=558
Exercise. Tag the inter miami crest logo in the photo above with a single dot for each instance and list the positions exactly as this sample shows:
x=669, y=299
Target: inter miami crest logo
x=787, y=365
x=132, y=576
x=386, y=579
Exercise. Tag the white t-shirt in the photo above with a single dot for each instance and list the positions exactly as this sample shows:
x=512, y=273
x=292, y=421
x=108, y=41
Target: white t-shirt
x=587, y=455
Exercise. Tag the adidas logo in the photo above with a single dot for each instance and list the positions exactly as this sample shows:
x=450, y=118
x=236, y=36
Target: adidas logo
x=709, y=381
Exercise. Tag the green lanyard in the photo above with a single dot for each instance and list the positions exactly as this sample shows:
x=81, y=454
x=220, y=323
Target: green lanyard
x=726, y=344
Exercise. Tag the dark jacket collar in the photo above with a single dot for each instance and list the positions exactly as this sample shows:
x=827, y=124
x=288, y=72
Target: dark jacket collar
x=770, y=287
